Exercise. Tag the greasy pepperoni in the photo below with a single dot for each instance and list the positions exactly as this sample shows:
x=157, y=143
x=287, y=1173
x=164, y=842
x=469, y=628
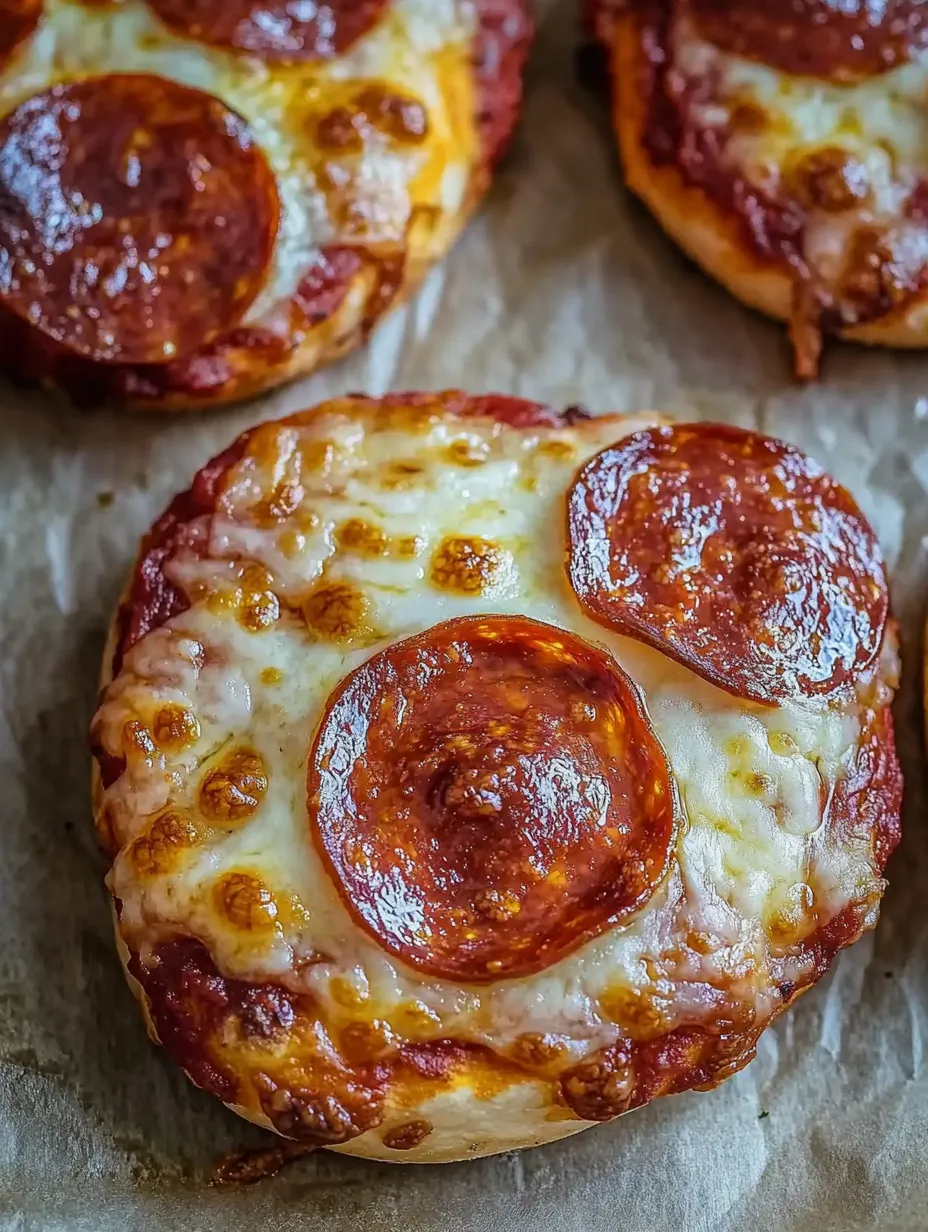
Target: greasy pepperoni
x=489, y=795
x=18, y=18
x=837, y=39
x=734, y=554
x=275, y=30
x=137, y=217
x=504, y=35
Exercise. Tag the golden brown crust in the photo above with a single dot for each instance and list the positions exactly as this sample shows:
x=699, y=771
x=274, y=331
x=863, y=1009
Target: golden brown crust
x=712, y=235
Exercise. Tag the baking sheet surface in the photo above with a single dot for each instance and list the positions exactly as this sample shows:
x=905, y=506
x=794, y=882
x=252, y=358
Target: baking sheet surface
x=563, y=290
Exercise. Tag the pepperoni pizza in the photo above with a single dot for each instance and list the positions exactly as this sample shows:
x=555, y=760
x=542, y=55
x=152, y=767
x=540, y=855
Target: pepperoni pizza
x=200, y=199
x=783, y=145
x=445, y=822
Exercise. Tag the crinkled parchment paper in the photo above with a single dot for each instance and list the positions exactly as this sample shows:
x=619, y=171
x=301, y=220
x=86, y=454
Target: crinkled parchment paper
x=563, y=290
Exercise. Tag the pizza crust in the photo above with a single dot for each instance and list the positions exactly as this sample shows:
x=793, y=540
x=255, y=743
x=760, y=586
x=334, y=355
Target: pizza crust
x=704, y=231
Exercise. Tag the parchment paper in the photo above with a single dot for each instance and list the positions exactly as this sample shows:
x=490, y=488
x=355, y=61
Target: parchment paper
x=563, y=290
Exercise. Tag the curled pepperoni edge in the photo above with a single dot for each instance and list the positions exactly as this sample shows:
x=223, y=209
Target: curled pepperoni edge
x=658, y=825
x=151, y=600
x=628, y=624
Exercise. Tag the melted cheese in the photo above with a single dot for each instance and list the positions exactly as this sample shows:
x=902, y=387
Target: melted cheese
x=422, y=51
x=779, y=120
x=357, y=506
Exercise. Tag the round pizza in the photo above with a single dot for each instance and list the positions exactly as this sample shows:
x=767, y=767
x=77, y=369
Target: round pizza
x=200, y=199
x=473, y=773
x=783, y=145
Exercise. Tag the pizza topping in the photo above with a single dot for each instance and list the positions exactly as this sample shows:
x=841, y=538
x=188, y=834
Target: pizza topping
x=274, y=30
x=153, y=599
x=232, y=791
x=732, y=553
x=137, y=217
x=468, y=566
x=163, y=846
x=245, y=902
x=489, y=795
x=504, y=34
x=18, y=19
x=842, y=41
x=375, y=109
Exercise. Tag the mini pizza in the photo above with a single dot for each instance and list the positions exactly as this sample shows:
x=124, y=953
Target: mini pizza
x=783, y=145
x=473, y=773
x=201, y=199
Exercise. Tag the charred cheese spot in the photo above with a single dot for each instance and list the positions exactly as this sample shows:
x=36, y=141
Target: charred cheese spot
x=602, y=1087
x=468, y=566
x=161, y=849
x=364, y=1042
x=372, y=111
x=175, y=728
x=416, y=1020
x=558, y=449
x=829, y=179
x=362, y=538
x=317, y=457
x=537, y=1051
x=233, y=790
x=637, y=1011
x=401, y=476
x=409, y=547
x=272, y=676
x=349, y=993
x=339, y=612
x=259, y=610
x=406, y=1137
x=245, y=902
x=795, y=919
x=282, y=503
x=467, y=453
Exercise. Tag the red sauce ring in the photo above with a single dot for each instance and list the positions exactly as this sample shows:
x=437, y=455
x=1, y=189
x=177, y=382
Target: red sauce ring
x=271, y=29
x=137, y=217
x=734, y=554
x=489, y=795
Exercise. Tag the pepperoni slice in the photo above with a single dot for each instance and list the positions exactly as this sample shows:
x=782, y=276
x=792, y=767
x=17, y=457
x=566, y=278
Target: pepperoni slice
x=18, y=19
x=275, y=30
x=732, y=553
x=489, y=795
x=841, y=41
x=137, y=218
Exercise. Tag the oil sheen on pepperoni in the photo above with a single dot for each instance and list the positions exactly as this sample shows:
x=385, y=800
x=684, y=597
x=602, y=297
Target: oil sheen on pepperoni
x=836, y=39
x=18, y=18
x=275, y=30
x=732, y=553
x=137, y=217
x=489, y=795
